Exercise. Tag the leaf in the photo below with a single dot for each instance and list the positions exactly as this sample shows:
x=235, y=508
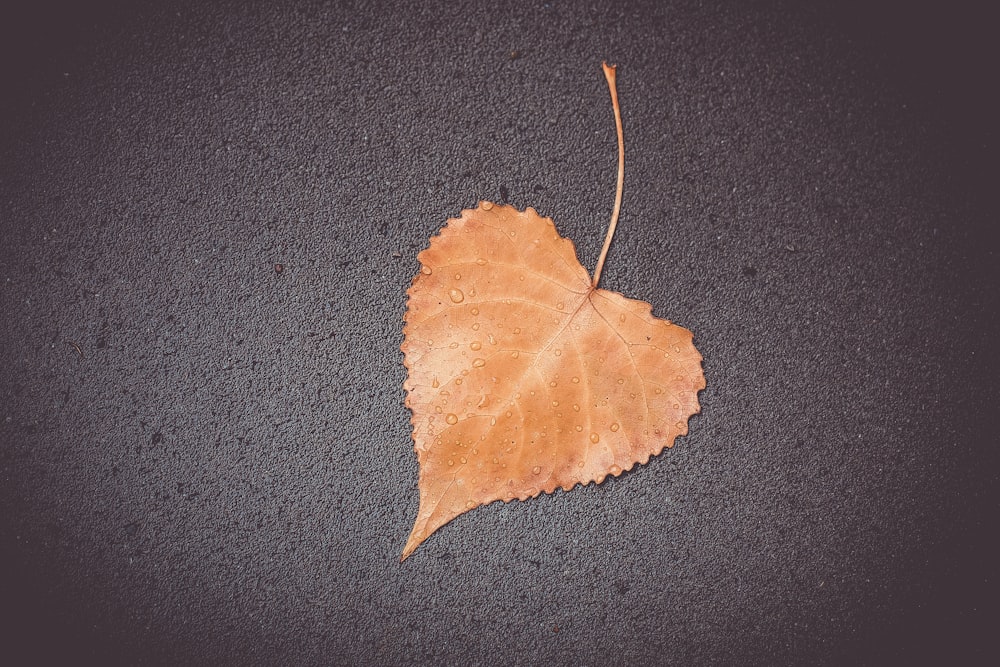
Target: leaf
x=525, y=377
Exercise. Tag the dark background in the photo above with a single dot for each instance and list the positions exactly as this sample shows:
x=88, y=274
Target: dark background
x=223, y=473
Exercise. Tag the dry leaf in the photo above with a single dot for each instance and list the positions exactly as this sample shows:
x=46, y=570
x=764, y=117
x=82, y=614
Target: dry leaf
x=523, y=375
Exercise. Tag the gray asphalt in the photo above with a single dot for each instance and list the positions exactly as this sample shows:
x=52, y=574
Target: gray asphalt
x=204, y=460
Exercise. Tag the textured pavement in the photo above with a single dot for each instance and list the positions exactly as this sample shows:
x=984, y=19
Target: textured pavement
x=206, y=460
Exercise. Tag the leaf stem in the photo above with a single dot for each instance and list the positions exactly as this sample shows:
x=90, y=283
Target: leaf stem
x=609, y=74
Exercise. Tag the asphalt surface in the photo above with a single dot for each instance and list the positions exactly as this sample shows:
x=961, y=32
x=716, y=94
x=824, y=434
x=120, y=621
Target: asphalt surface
x=204, y=460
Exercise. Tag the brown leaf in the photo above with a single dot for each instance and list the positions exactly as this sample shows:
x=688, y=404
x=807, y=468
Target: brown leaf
x=523, y=375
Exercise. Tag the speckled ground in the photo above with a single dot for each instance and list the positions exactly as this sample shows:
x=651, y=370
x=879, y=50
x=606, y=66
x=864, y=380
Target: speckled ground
x=205, y=460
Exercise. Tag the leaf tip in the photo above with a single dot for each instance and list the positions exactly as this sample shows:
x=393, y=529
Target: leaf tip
x=411, y=544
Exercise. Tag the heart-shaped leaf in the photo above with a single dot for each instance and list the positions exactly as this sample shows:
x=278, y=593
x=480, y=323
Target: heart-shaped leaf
x=523, y=375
